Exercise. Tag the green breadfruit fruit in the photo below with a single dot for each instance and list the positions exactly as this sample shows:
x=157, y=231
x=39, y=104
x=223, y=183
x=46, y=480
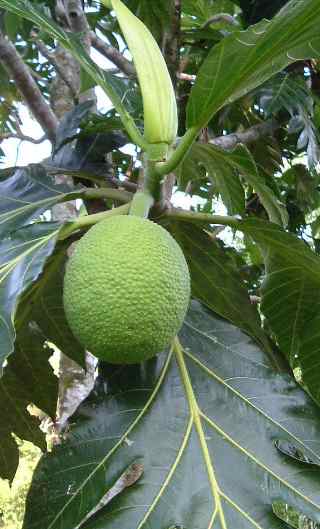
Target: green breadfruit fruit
x=126, y=289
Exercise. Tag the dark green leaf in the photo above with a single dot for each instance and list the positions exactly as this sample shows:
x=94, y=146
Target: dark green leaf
x=225, y=179
x=12, y=23
x=291, y=297
x=284, y=91
x=224, y=168
x=202, y=426
x=215, y=280
x=241, y=160
x=25, y=194
x=69, y=126
x=43, y=305
x=22, y=259
x=245, y=59
x=155, y=14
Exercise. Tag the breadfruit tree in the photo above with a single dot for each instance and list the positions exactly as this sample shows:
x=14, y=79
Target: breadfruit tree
x=187, y=338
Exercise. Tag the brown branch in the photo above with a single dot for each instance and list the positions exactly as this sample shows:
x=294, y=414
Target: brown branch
x=21, y=137
x=20, y=74
x=77, y=20
x=221, y=17
x=51, y=58
x=172, y=39
x=113, y=55
x=252, y=134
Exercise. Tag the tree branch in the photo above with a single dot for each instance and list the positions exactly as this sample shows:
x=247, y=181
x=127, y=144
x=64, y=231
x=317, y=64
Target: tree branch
x=171, y=41
x=22, y=137
x=77, y=19
x=20, y=74
x=252, y=134
x=113, y=55
x=51, y=58
x=221, y=17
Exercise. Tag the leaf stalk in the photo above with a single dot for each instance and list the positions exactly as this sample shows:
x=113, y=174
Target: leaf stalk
x=88, y=220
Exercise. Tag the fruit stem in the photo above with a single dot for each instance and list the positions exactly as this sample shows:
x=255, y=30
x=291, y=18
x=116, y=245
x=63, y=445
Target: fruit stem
x=88, y=220
x=145, y=198
x=141, y=204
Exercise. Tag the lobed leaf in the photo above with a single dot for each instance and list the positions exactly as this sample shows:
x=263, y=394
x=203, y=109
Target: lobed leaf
x=225, y=179
x=244, y=60
x=201, y=425
x=25, y=193
x=291, y=297
x=22, y=260
x=215, y=280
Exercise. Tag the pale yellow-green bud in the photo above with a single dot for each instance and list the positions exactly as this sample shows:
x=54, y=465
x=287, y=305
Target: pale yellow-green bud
x=159, y=102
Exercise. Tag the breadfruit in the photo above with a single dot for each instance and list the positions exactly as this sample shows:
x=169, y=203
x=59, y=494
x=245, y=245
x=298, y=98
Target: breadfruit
x=126, y=289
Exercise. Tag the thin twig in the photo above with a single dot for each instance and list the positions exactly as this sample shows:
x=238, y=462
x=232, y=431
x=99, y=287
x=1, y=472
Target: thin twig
x=221, y=17
x=22, y=137
x=113, y=55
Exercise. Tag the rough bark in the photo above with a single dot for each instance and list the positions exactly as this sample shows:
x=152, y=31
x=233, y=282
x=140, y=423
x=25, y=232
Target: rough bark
x=66, y=86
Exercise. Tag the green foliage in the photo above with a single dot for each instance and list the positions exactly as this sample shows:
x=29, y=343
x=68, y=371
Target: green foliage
x=243, y=61
x=177, y=416
x=220, y=432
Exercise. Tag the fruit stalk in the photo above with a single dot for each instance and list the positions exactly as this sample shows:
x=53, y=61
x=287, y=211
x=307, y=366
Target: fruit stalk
x=144, y=199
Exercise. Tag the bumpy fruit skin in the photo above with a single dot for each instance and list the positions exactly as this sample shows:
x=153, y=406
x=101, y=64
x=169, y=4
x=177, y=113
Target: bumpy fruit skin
x=126, y=289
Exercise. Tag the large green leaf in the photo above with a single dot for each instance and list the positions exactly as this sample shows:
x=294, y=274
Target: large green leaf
x=225, y=179
x=241, y=160
x=246, y=59
x=43, y=305
x=285, y=91
x=223, y=441
x=108, y=82
x=291, y=297
x=224, y=168
x=22, y=260
x=215, y=280
x=26, y=193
